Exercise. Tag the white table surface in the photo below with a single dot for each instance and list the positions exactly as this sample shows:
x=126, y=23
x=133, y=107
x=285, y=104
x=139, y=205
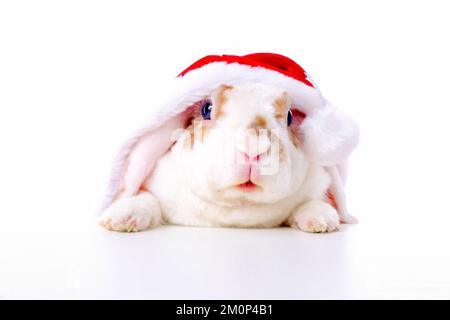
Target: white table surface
x=174, y=262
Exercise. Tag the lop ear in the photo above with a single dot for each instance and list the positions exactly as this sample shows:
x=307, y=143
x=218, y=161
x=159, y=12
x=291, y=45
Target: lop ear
x=329, y=135
x=138, y=157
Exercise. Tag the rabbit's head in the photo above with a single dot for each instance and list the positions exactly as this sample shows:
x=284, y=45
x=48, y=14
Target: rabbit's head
x=242, y=145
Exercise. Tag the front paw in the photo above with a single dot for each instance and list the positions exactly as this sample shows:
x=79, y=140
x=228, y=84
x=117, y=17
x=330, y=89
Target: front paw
x=315, y=216
x=132, y=214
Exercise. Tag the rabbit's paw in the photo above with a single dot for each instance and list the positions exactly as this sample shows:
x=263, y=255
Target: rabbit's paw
x=315, y=216
x=132, y=214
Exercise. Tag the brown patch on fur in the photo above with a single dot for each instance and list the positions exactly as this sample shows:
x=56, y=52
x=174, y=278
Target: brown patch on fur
x=294, y=129
x=196, y=131
x=281, y=106
x=220, y=99
x=294, y=138
x=189, y=142
x=258, y=123
x=281, y=150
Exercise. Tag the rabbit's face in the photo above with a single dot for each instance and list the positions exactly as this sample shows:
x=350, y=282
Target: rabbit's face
x=243, y=146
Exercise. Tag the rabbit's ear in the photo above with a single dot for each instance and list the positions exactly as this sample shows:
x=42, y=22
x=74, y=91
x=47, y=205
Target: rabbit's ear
x=329, y=135
x=139, y=156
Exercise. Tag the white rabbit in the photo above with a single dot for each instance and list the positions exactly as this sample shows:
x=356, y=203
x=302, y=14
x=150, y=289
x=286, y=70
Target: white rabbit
x=242, y=156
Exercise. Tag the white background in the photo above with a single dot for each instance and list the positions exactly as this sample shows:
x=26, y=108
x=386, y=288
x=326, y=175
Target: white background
x=77, y=76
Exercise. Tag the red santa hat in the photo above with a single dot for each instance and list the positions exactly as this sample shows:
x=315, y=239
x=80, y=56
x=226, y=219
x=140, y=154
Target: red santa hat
x=329, y=135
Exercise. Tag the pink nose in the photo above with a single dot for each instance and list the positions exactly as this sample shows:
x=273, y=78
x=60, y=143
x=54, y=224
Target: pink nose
x=251, y=159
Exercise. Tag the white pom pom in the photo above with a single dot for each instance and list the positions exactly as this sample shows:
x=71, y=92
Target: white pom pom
x=329, y=135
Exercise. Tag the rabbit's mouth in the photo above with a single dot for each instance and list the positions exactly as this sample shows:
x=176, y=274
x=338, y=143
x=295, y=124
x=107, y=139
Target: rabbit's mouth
x=248, y=186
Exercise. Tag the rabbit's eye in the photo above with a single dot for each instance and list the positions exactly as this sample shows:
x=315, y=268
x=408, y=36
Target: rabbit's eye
x=289, y=118
x=206, y=110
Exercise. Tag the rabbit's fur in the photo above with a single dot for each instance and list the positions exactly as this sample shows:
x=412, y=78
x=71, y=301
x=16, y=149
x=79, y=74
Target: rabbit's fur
x=203, y=180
